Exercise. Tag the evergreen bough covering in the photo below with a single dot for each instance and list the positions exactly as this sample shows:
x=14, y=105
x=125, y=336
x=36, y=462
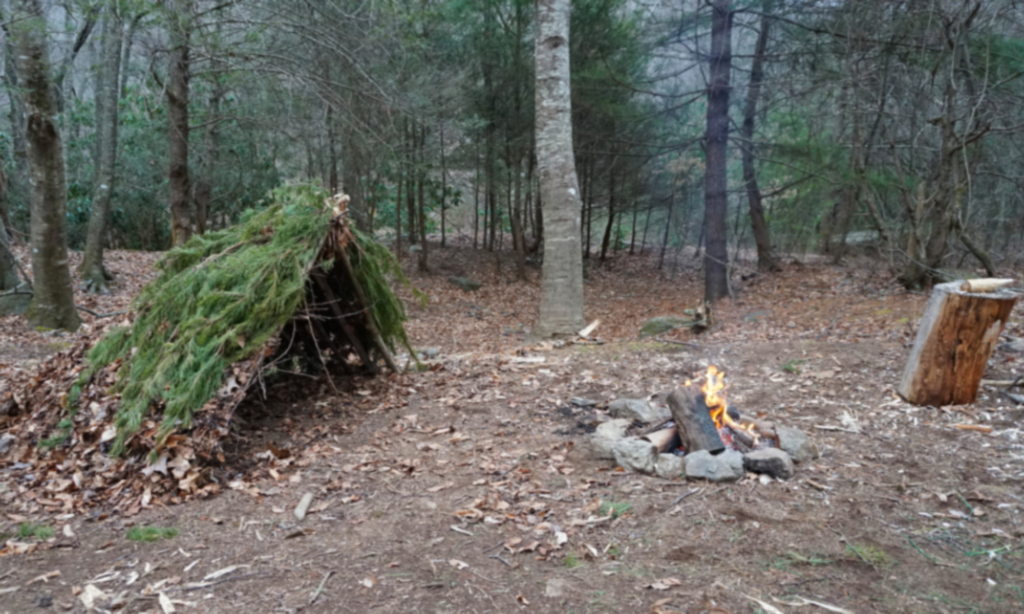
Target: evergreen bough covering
x=220, y=298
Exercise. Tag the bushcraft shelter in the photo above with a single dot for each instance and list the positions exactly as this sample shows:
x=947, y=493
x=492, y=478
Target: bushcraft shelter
x=292, y=288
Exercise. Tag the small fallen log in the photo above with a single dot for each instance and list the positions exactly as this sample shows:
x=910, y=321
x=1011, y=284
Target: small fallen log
x=696, y=428
x=666, y=440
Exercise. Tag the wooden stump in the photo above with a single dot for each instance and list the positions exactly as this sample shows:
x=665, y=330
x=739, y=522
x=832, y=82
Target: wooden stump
x=955, y=339
x=694, y=425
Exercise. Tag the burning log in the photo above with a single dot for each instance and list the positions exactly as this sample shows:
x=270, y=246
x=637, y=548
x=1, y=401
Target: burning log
x=955, y=339
x=694, y=424
x=667, y=439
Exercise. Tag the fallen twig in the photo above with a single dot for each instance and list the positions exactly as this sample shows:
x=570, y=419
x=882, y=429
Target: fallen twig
x=201, y=585
x=498, y=556
x=320, y=589
x=685, y=495
x=99, y=315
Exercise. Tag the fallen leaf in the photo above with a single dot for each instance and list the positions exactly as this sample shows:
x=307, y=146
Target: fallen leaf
x=457, y=564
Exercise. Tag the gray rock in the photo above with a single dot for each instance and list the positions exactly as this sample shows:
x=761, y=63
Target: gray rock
x=605, y=436
x=772, y=461
x=15, y=302
x=639, y=409
x=464, y=283
x=636, y=455
x=430, y=352
x=670, y=466
x=725, y=467
x=662, y=324
x=582, y=402
x=6, y=441
x=796, y=443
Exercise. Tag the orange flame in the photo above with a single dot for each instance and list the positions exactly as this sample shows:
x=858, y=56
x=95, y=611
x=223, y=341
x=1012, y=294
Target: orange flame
x=714, y=398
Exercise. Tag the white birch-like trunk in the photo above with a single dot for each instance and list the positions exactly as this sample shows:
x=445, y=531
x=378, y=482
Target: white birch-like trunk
x=561, y=302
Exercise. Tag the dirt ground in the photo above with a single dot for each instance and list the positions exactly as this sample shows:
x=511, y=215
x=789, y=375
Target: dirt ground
x=469, y=487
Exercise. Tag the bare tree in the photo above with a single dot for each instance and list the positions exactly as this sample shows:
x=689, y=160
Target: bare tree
x=92, y=271
x=762, y=238
x=53, y=303
x=561, y=303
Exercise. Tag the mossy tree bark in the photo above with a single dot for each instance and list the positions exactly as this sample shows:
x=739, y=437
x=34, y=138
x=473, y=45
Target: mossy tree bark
x=561, y=302
x=53, y=301
x=92, y=271
x=177, y=118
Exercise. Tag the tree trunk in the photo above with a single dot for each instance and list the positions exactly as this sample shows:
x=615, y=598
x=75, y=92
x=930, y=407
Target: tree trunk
x=611, y=216
x=211, y=149
x=444, y=185
x=8, y=271
x=716, y=138
x=632, y=238
x=17, y=117
x=177, y=122
x=352, y=184
x=421, y=180
x=53, y=300
x=92, y=271
x=126, y=58
x=332, y=152
x=476, y=200
x=668, y=225
x=762, y=238
x=398, y=216
x=518, y=234
x=561, y=303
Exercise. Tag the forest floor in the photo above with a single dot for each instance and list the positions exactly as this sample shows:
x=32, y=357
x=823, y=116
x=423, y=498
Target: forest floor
x=446, y=490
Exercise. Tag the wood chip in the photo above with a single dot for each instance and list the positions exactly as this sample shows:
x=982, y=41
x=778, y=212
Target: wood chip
x=973, y=427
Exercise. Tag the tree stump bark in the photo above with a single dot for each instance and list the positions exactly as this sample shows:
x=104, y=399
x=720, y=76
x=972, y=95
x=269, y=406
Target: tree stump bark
x=954, y=341
x=694, y=425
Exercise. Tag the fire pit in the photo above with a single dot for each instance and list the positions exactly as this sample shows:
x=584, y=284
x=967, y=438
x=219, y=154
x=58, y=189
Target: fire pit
x=700, y=435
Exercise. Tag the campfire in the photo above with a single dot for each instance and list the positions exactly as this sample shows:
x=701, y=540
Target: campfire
x=698, y=434
x=702, y=420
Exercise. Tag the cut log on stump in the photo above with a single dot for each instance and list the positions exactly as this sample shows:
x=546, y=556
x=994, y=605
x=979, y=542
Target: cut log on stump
x=955, y=339
x=693, y=421
x=666, y=439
